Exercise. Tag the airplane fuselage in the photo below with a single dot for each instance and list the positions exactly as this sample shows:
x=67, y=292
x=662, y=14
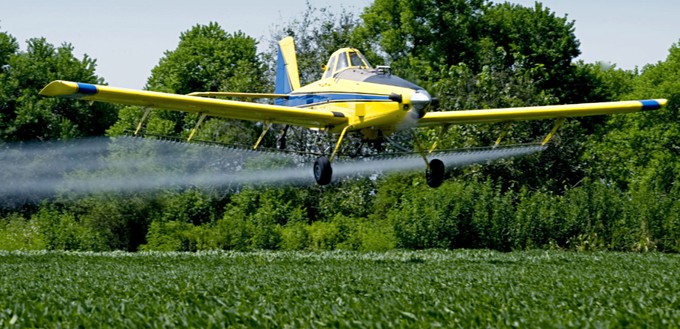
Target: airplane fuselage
x=376, y=103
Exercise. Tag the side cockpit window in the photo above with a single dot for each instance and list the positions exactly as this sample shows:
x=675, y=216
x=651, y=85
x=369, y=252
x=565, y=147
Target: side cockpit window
x=342, y=62
x=329, y=68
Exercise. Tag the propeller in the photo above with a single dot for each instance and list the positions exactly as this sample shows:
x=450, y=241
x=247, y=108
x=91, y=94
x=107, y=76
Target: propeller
x=419, y=100
x=417, y=104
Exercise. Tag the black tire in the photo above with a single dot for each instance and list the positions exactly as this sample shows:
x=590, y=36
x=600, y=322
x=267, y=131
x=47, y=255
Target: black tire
x=435, y=175
x=322, y=170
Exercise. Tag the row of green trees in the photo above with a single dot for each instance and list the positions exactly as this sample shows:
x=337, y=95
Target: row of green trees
x=460, y=214
x=24, y=115
x=604, y=182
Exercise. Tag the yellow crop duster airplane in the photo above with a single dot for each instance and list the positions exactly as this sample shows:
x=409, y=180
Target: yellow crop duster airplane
x=351, y=96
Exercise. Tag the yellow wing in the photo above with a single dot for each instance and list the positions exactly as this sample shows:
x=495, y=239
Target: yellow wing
x=210, y=106
x=538, y=112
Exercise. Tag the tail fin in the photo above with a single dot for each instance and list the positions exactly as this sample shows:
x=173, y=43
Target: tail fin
x=287, y=75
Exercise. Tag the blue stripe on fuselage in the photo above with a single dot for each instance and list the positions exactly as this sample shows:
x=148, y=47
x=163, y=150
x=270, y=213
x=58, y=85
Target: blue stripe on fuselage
x=650, y=104
x=308, y=99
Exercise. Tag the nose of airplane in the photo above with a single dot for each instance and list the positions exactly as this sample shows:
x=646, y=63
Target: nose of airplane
x=420, y=100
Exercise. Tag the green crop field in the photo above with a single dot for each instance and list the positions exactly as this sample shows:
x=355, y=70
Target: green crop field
x=339, y=289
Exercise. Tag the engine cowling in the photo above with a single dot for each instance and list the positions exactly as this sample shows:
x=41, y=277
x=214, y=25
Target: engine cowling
x=420, y=100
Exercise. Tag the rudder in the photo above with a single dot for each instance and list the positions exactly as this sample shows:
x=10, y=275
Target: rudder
x=287, y=74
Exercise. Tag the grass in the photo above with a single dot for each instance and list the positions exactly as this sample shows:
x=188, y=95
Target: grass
x=426, y=289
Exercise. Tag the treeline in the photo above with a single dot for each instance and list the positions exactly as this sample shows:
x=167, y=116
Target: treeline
x=605, y=183
x=460, y=214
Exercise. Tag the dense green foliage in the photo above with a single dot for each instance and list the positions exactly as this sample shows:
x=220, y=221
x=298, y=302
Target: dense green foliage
x=459, y=214
x=206, y=59
x=466, y=289
x=605, y=183
x=26, y=116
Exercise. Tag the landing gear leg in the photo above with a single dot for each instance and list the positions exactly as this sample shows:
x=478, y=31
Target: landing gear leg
x=322, y=166
x=281, y=141
x=434, y=174
x=435, y=169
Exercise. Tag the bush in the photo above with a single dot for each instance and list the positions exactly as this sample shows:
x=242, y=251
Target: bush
x=324, y=236
x=491, y=217
x=670, y=240
x=117, y=221
x=17, y=233
x=169, y=236
x=432, y=218
x=266, y=231
x=376, y=236
x=533, y=221
x=192, y=206
x=233, y=231
x=61, y=231
x=364, y=234
x=352, y=197
x=653, y=220
x=295, y=236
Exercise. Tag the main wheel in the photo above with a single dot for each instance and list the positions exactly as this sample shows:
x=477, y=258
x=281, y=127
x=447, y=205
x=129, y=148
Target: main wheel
x=435, y=175
x=322, y=170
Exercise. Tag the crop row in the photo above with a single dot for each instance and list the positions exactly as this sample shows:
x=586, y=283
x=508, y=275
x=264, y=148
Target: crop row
x=339, y=289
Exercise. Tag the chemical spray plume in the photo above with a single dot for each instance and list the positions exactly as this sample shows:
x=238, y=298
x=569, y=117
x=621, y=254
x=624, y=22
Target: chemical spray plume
x=126, y=164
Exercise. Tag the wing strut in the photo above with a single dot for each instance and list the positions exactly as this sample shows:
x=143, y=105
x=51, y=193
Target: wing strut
x=434, y=169
x=337, y=145
x=557, y=125
x=193, y=131
x=141, y=121
x=267, y=126
x=503, y=133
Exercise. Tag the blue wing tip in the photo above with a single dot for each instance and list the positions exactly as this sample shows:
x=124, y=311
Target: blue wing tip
x=86, y=88
x=650, y=104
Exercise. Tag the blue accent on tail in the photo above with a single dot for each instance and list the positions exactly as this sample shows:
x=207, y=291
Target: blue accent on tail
x=86, y=88
x=282, y=84
x=650, y=104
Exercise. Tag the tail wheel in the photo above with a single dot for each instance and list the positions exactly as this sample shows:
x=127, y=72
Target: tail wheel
x=323, y=171
x=435, y=174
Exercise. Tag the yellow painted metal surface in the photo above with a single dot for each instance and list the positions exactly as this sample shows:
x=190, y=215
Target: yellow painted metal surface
x=318, y=118
x=287, y=47
x=338, y=143
x=361, y=114
x=533, y=113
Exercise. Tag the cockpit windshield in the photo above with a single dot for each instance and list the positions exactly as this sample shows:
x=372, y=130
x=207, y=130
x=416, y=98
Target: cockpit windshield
x=356, y=59
x=343, y=59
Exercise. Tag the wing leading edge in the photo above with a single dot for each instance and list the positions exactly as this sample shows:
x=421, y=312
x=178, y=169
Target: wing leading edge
x=213, y=107
x=539, y=112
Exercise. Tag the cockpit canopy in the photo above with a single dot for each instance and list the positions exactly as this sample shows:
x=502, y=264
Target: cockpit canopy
x=343, y=59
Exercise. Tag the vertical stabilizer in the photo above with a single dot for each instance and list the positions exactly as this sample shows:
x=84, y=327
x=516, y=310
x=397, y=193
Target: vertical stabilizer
x=287, y=75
